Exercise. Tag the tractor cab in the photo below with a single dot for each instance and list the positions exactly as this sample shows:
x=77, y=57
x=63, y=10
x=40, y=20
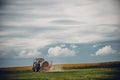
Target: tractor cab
x=39, y=64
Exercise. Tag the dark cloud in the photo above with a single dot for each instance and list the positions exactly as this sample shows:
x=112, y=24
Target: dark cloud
x=25, y=32
x=3, y=3
x=111, y=31
x=29, y=28
x=67, y=22
x=39, y=3
x=15, y=35
x=28, y=16
x=24, y=9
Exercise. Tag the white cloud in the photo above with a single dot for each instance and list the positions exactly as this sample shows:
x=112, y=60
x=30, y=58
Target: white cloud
x=28, y=54
x=22, y=47
x=34, y=22
x=104, y=51
x=26, y=43
x=73, y=46
x=94, y=46
x=60, y=52
x=63, y=45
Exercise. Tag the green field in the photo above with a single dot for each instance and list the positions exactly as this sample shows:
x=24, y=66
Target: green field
x=75, y=74
x=106, y=71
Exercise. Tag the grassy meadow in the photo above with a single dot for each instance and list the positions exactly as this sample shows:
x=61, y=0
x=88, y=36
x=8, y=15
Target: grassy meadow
x=95, y=71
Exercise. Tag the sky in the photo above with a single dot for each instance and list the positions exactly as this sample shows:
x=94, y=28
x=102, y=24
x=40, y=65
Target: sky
x=64, y=31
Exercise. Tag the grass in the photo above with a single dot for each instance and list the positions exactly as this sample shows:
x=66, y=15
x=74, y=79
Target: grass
x=96, y=71
x=75, y=74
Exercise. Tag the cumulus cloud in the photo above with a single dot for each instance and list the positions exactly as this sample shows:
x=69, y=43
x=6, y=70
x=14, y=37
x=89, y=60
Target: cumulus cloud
x=73, y=46
x=63, y=45
x=22, y=48
x=28, y=54
x=104, y=51
x=94, y=46
x=11, y=52
x=34, y=24
x=60, y=52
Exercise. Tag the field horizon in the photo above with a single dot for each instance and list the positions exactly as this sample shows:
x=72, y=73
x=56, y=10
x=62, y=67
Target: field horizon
x=112, y=64
x=89, y=71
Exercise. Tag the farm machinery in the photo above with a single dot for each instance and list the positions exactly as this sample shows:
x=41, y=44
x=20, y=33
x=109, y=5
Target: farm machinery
x=40, y=64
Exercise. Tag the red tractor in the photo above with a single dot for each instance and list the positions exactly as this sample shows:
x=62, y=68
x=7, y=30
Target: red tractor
x=39, y=64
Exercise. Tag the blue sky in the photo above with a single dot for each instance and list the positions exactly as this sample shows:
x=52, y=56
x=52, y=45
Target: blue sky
x=64, y=31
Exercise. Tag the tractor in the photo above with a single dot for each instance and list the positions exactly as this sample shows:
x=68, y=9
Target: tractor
x=40, y=64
